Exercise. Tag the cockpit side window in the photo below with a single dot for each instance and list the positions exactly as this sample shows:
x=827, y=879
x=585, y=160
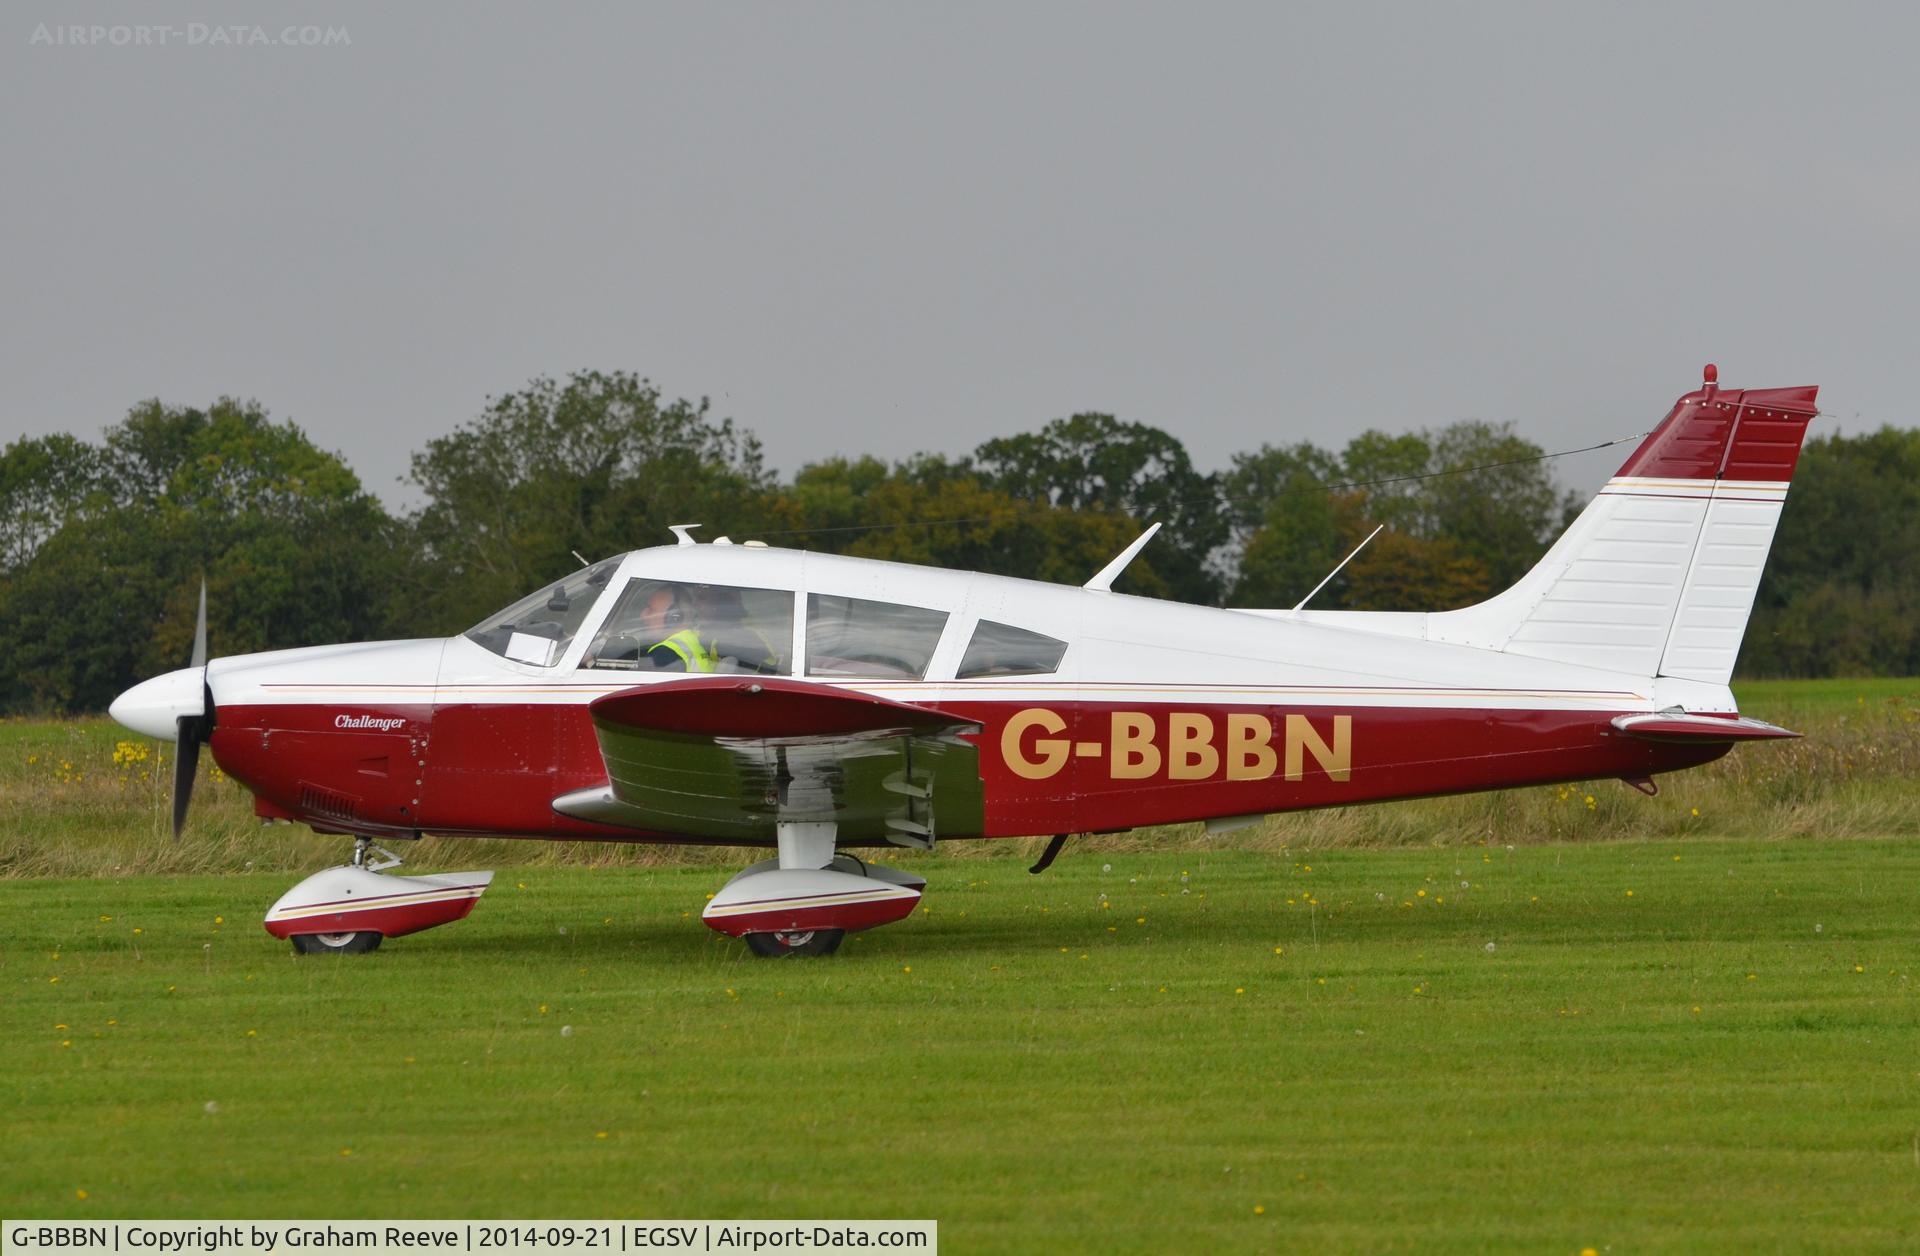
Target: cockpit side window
x=538, y=628
x=1003, y=650
x=680, y=626
x=850, y=636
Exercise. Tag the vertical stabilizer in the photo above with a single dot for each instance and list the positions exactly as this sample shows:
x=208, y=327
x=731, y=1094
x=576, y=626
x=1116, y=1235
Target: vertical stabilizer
x=1657, y=576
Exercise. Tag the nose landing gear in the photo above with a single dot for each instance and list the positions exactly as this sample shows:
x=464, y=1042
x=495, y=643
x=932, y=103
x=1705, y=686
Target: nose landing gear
x=358, y=942
x=789, y=942
x=352, y=909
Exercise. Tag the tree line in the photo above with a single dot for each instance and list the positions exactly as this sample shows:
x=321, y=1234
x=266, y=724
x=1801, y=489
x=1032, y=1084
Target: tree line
x=103, y=544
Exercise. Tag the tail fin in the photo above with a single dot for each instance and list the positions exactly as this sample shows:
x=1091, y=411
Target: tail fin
x=1657, y=576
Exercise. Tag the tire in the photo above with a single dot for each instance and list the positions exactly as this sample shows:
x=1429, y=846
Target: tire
x=777, y=945
x=337, y=943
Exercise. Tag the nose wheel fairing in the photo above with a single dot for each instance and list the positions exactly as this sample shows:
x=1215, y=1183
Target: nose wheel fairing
x=351, y=899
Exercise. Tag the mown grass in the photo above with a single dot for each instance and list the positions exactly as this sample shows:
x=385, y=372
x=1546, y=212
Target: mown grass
x=1667, y=1045
x=68, y=808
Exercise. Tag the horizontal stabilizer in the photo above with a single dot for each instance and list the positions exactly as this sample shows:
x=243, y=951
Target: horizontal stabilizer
x=1678, y=726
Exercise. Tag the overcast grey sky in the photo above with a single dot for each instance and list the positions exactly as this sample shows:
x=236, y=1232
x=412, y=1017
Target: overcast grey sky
x=896, y=227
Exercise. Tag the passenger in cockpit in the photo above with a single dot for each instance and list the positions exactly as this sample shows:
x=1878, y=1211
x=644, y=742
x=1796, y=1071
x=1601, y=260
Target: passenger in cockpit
x=736, y=643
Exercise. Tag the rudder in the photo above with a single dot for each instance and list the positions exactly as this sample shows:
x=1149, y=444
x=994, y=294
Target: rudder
x=1765, y=429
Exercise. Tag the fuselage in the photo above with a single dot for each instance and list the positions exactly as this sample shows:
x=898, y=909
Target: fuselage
x=1152, y=713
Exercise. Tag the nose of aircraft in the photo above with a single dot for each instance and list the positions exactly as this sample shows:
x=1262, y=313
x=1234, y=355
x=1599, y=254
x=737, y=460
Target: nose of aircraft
x=154, y=706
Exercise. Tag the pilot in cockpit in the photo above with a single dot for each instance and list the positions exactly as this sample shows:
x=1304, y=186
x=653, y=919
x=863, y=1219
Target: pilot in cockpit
x=667, y=641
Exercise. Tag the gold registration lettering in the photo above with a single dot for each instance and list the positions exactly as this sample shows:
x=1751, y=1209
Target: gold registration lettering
x=1190, y=752
x=1131, y=751
x=1250, y=754
x=1336, y=760
x=1050, y=752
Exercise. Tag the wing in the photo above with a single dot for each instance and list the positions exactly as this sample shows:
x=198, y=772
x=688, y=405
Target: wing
x=732, y=757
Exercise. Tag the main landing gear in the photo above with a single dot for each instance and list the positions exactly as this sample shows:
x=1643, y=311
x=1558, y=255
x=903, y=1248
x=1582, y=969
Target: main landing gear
x=351, y=909
x=805, y=901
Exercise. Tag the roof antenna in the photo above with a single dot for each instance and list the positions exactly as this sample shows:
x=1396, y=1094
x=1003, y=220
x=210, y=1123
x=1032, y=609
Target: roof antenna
x=681, y=529
x=581, y=557
x=1104, y=580
x=1336, y=571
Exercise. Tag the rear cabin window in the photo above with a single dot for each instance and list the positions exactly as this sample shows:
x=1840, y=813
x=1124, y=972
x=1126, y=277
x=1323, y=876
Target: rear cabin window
x=1003, y=650
x=677, y=626
x=850, y=636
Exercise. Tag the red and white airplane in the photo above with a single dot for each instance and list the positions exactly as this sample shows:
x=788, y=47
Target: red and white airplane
x=739, y=694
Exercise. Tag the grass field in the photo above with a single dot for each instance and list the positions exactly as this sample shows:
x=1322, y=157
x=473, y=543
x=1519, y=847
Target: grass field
x=1629, y=1046
x=1457, y=1025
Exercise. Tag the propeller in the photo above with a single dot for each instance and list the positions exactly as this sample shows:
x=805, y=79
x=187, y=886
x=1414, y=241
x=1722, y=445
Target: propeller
x=192, y=730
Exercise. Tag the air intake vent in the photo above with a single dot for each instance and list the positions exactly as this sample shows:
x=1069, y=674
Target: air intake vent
x=315, y=800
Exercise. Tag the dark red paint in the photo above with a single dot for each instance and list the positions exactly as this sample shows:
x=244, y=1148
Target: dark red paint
x=1742, y=434
x=495, y=769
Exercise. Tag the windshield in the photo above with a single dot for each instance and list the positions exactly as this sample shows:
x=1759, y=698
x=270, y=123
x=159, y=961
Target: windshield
x=537, y=628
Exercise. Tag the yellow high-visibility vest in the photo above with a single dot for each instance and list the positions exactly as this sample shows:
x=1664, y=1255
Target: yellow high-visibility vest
x=696, y=654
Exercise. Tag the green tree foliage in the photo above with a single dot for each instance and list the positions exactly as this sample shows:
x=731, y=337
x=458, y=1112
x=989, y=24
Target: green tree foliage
x=1259, y=481
x=1398, y=571
x=1095, y=462
x=597, y=463
x=1297, y=539
x=1468, y=509
x=293, y=552
x=1493, y=497
x=1841, y=593
x=43, y=482
x=940, y=513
